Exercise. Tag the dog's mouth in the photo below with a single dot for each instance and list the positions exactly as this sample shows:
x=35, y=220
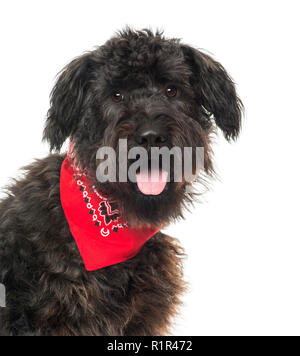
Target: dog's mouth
x=152, y=182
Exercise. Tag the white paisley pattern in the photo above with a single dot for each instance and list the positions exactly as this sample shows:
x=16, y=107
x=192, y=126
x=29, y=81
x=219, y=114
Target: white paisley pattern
x=103, y=216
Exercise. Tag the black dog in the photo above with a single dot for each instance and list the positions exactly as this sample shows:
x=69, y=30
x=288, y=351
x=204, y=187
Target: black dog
x=154, y=92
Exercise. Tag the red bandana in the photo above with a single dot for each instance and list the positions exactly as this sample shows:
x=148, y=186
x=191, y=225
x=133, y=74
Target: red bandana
x=103, y=239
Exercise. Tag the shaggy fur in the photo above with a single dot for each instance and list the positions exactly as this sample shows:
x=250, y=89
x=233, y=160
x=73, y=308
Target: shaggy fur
x=49, y=292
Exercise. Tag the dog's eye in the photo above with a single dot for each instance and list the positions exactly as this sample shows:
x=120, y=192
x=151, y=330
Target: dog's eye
x=171, y=91
x=117, y=97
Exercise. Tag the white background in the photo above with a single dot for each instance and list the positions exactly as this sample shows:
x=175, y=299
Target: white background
x=242, y=242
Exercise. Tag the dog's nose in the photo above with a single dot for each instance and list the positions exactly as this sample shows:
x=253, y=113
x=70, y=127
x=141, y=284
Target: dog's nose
x=150, y=138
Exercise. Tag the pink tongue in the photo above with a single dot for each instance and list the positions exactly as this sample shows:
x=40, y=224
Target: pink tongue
x=152, y=183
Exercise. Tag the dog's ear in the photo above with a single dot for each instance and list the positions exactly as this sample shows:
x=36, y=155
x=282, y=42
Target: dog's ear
x=215, y=91
x=66, y=101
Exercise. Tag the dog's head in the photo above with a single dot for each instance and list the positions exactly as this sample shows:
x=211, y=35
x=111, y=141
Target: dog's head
x=154, y=92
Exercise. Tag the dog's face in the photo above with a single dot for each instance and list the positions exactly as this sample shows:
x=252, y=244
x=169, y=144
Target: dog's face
x=153, y=92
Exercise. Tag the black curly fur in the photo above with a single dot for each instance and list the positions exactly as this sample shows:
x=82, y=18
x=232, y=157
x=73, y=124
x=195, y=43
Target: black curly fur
x=49, y=292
